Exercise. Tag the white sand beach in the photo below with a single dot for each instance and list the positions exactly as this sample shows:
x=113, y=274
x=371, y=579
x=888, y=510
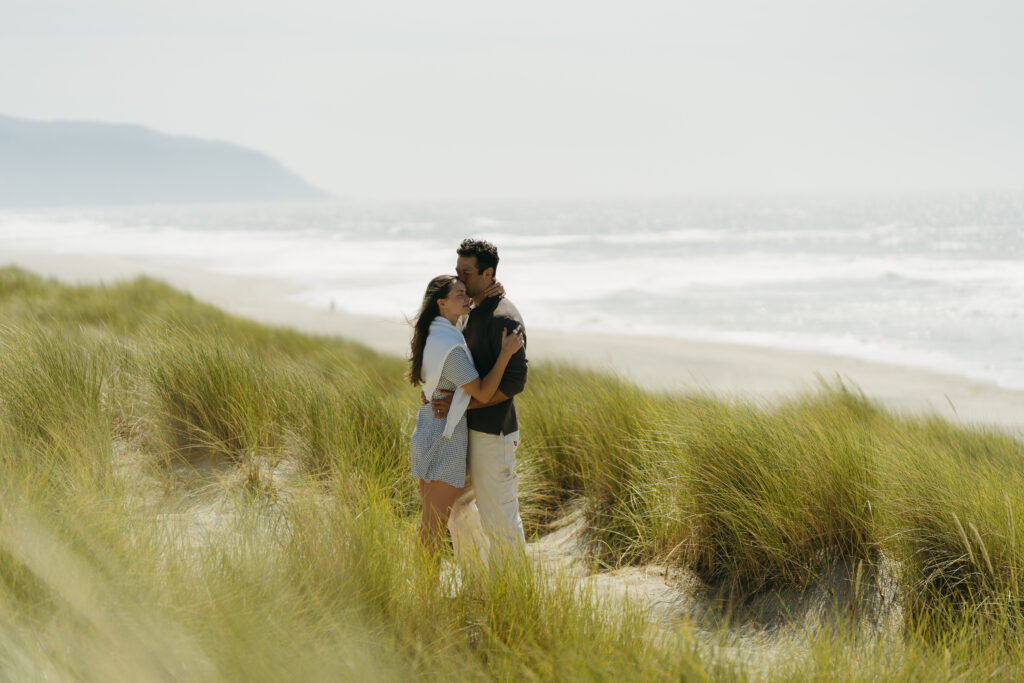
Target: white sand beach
x=657, y=364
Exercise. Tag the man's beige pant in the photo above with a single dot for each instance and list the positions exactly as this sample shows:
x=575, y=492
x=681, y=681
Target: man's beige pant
x=486, y=514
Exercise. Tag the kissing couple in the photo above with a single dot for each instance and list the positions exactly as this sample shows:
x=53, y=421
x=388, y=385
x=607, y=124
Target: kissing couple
x=469, y=358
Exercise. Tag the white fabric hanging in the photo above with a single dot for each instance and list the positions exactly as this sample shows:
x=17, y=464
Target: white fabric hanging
x=442, y=339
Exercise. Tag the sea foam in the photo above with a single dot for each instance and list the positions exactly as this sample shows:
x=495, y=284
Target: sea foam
x=934, y=282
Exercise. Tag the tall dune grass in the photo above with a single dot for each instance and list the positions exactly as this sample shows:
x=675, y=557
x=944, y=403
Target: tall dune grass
x=186, y=495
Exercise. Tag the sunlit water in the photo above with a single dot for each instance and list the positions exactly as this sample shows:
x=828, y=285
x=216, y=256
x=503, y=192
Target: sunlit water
x=931, y=281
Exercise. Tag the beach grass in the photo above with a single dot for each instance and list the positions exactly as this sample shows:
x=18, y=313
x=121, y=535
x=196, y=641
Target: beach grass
x=186, y=495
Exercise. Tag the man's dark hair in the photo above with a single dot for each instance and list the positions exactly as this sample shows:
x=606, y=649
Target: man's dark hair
x=485, y=252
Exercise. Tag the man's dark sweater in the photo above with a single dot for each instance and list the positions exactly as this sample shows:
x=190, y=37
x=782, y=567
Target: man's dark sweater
x=483, y=336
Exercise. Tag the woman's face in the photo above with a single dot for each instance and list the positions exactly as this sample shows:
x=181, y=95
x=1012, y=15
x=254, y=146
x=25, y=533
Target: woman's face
x=457, y=302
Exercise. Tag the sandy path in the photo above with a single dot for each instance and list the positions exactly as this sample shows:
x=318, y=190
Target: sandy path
x=658, y=364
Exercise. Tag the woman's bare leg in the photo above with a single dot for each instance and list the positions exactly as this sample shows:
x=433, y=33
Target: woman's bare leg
x=438, y=498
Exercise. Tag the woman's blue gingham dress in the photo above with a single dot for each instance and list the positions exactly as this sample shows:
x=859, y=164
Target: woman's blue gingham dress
x=435, y=458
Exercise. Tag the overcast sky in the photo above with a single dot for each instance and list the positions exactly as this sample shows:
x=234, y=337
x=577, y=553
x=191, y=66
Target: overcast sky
x=475, y=99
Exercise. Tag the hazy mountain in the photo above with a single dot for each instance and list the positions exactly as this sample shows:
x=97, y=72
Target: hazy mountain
x=46, y=163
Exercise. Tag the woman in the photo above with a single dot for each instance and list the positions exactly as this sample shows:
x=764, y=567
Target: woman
x=442, y=361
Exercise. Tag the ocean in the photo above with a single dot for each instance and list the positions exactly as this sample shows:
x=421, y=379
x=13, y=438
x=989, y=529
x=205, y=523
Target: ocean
x=927, y=280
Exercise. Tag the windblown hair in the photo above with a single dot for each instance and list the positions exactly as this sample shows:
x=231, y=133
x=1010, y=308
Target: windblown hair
x=485, y=252
x=438, y=289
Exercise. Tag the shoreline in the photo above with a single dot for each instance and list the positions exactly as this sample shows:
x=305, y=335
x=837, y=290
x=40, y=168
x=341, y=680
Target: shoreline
x=657, y=364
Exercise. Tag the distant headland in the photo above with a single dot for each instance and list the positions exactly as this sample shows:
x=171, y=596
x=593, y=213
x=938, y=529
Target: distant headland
x=68, y=163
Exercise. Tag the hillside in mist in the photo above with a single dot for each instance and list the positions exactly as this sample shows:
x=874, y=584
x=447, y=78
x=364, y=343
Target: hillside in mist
x=61, y=163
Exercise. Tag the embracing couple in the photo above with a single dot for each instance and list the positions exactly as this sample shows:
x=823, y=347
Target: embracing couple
x=464, y=444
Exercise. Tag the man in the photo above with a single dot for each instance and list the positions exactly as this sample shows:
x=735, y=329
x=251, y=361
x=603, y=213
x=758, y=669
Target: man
x=493, y=427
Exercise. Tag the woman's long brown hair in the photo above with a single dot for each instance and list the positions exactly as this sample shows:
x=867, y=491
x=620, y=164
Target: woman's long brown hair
x=438, y=288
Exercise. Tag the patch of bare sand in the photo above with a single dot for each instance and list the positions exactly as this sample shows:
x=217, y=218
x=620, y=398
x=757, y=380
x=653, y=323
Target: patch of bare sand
x=197, y=498
x=762, y=631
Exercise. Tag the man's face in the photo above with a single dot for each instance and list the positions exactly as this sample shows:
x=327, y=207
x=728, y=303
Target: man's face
x=475, y=282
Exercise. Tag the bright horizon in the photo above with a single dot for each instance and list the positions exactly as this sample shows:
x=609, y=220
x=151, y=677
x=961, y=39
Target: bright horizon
x=541, y=100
